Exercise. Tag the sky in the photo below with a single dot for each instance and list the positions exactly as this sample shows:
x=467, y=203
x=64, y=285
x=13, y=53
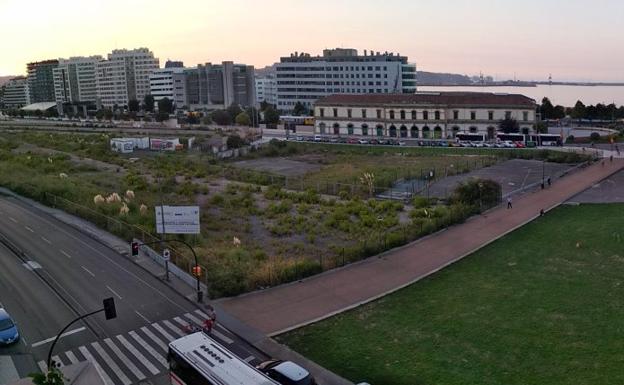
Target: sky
x=576, y=40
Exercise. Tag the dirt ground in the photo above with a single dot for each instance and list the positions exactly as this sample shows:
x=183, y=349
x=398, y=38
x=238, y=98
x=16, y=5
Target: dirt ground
x=279, y=166
x=99, y=165
x=610, y=190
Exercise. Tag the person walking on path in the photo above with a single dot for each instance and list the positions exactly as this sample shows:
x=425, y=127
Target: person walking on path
x=549, y=181
x=509, y=206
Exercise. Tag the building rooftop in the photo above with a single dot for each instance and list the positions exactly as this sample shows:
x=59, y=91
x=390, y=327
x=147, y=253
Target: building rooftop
x=39, y=106
x=433, y=98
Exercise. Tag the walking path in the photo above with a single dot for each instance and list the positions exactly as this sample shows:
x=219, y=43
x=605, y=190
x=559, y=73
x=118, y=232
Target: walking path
x=279, y=309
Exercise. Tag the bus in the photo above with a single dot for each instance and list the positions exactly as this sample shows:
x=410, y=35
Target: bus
x=546, y=139
x=197, y=359
x=502, y=137
x=291, y=122
x=470, y=137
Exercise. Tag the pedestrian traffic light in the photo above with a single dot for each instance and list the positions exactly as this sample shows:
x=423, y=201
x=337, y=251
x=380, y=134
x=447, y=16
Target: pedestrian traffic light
x=135, y=249
x=109, y=308
x=196, y=270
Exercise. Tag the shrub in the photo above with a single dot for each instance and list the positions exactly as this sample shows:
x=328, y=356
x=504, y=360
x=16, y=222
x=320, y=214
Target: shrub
x=420, y=202
x=477, y=192
x=594, y=136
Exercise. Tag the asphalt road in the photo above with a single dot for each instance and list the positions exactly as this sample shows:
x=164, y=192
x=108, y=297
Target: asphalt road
x=63, y=273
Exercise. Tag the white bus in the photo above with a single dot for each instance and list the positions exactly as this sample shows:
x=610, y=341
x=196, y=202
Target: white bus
x=197, y=359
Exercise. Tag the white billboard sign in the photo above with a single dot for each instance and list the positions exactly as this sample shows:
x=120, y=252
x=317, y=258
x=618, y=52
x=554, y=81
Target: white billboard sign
x=178, y=219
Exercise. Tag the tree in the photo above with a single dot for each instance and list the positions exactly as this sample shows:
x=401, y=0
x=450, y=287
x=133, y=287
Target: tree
x=579, y=110
x=243, y=119
x=558, y=112
x=221, y=117
x=546, y=109
x=299, y=109
x=509, y=125
x=234, y=110
x=482, y=193
x=53, y=377
x=148, y=103
x=134, y=105
x=264, y=105
x=271, y=116
x=165, y=106
x=540, y=128
x=235, y=141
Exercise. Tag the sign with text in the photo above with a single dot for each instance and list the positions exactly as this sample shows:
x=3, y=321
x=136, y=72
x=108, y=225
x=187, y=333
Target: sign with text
x=178, y=219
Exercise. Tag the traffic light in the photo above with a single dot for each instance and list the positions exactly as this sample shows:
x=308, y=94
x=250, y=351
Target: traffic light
x=197, y=271
x=109, y=308
x=135, y=249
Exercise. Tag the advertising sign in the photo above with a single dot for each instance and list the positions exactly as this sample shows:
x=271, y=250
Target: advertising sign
x=178, y=219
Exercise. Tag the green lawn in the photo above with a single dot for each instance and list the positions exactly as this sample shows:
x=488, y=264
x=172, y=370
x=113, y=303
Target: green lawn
x=531, y=308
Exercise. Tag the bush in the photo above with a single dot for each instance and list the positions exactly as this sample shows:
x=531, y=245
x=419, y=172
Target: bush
x=420, y=202
x=483, y=193
x=594, y=136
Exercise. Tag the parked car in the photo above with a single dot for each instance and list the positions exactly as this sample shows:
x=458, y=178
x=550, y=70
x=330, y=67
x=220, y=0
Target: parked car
x=333, y=140
x=373, y=141
x=286, y=372
x=8, y=329
x=342, y=140
x=402, y=143
x=363, y=141
x=318, y=138
x=519, y=144
x=352, y=141
x=383, y=142
x=508, y=144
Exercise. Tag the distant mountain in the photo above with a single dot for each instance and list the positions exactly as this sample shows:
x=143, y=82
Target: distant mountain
x=442, y=79
x=5, y=79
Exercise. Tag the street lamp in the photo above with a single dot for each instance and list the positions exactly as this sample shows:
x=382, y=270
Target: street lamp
x=480, y=200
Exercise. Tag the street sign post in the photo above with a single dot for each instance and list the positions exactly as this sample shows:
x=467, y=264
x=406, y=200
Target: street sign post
x=177, y=219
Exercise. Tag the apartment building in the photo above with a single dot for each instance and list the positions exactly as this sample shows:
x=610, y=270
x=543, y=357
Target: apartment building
x=303, y=78
x=41, y=80
x=16, y=93
x=266, y=85
x=423, y=115
x=124, y=76
x=75, y=80
x=170, y=83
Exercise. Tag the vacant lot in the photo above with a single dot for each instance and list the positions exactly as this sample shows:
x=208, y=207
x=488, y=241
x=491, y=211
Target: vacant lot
x=541, y=306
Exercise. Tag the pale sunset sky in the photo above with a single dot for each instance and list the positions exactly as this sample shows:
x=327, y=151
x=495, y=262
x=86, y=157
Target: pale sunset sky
x=572, y=39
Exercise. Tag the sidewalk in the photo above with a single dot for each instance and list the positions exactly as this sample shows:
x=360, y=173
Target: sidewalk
x=279, y=309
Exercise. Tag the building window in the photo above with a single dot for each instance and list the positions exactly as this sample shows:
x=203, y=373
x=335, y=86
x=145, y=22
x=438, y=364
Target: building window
x=391, y=114
x=413, y=114
x=403, y=132
x=364, y=129
x=473, y=129
x=425, y=132
x=348, y=113
x=507, y=114
x=455, y=115
x=525, y=115
x=379, y=129
x=350, y=129
x=335, y=112
x=490, y=115
x=437, y=115
x=402, y=114
x=378, y=114
x=414, y=132
x=322, y=112
x=393, y=131
x=425, y=115
x=364, y=113
x=473, y=115
x=336, y=129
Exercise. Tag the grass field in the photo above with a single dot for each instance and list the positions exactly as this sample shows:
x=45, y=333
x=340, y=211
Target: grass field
x=544, y=305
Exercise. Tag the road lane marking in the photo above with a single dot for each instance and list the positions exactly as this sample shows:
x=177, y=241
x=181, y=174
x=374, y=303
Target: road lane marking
x=138, y=355
x=125, y=360
x=65, y=254
x=87, y=270
x=222, y=336
x=111, y=364
x=249, y=359
x=62, y=335
x=181, y=321
x=153, y=337
x=193, y=318
x=29, y=229
x=174, y=328
x=98, y=368
x=57, y=362
x=201, y=313
x=113, y=291
x=13, y=219
x=162, y=331
x=144, y=317
x=72, y=357
x=46, y=240
x=149, y=349
x=43, y=366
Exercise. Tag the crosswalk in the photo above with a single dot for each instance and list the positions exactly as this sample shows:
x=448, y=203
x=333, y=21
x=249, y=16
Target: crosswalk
x=138, y=354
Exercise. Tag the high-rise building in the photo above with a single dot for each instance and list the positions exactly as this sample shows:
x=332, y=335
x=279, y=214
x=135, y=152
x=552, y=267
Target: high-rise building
x=304, y=78
x=74, y=80
x=16, y=93
x=41, y=80
x=266, y=85
x=207, y=86
x=124, y=76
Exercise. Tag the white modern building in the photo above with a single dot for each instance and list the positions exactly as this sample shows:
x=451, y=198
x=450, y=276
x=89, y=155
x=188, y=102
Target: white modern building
x=169, y=83
x=125, y=76
x=266, y=85
x=75, y=80
x=305, y=79
x=422, y=115
x=16, y=93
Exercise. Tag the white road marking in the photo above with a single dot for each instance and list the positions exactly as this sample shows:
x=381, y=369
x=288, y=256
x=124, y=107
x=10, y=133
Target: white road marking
x=144, y=317
x=62, y=335
x=46, y=240
x=43, y=366
x=29, y=229
x=111, y=364
x=201, y=313
x=99, y=369
x=13, y=219
x=222, y=337
x=114, y=292
x=174, y=328
x=250, y=358
x=149, y=349
x=162, y=331
x=138, y=355
x=193, y=318
x=87, y=270
x=125, y=360
x=56, y=361
x=65, y=254
x=21, y=337
x=153, y=337
x=181, y=321
x=72, y=357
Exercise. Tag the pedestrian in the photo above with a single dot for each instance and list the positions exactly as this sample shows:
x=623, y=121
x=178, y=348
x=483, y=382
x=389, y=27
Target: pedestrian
x=549, y=181
x=541, y=212
x=509, y=206
x=611, y=158
x=602, y=162
x=617, y=150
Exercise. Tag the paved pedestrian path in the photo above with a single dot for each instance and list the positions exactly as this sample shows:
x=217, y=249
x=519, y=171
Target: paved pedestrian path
x=286, y=307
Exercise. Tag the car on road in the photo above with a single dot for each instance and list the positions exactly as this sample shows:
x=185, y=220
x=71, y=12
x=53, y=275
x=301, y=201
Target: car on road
x=286, y=372
x=352, y=141
x=373, y=141
x=333, y=140
x=402, y=143
x=8, y=329
x=300, y=138
x=318, y=138
x=363, y=141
